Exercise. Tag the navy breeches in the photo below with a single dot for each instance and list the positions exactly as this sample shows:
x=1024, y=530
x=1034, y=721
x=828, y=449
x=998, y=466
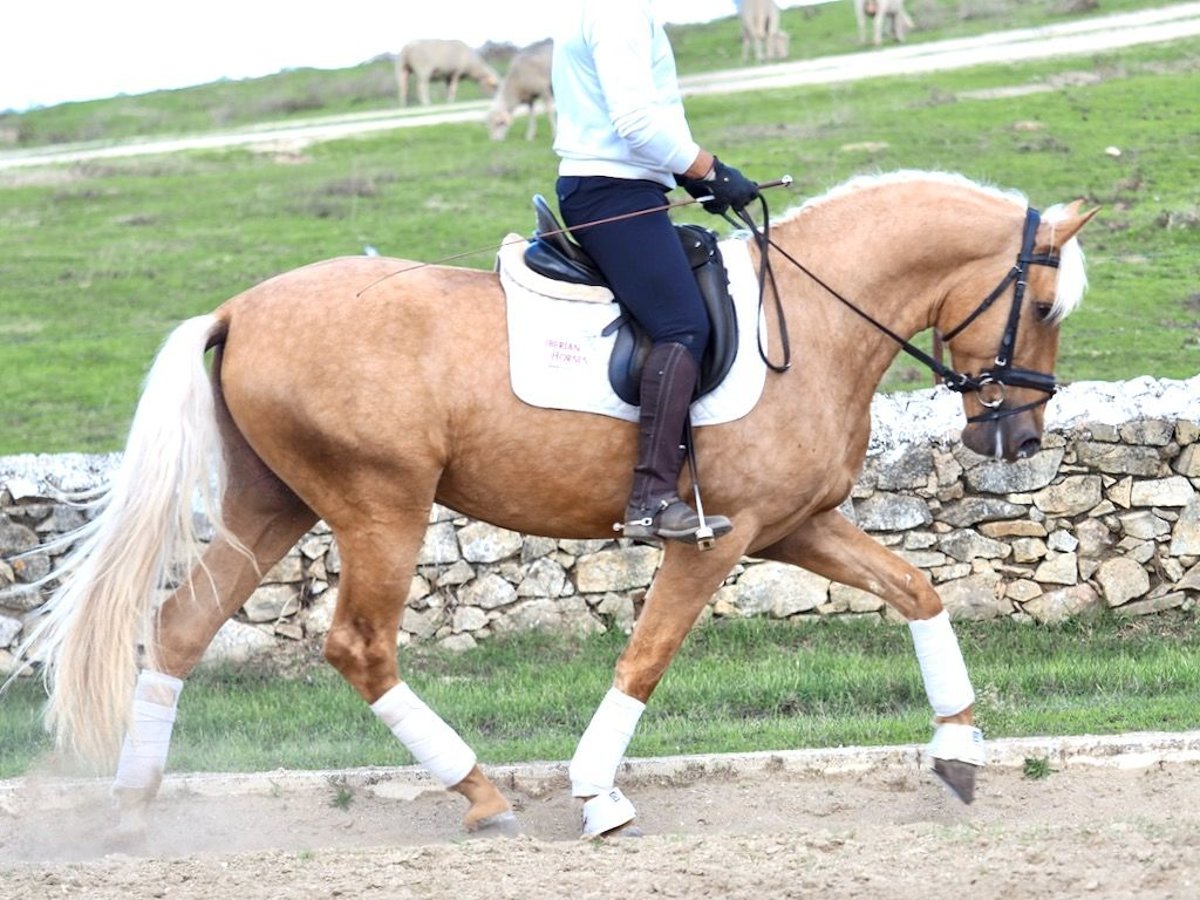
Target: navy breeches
x=641, y=257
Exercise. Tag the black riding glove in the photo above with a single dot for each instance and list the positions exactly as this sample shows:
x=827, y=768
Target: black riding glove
x=726, y=186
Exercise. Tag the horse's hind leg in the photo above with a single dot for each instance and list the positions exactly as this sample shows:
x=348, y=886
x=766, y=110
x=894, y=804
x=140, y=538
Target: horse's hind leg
x=267, y=518
x=378, y=558
x=267, y=523
x=830, y=545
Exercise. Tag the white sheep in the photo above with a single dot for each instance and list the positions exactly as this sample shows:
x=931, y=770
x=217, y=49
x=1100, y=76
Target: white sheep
x=882, y=11
x=447, y=61
x=526, y=82
x=760, y=30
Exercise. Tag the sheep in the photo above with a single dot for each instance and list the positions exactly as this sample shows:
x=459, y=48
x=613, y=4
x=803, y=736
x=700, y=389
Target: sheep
x=443, y=61
x=881, y=11
x=526, y=82
x=760, y=29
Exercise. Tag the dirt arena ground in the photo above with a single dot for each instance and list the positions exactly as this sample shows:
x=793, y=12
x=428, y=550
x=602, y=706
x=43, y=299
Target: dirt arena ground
x=1112, y=817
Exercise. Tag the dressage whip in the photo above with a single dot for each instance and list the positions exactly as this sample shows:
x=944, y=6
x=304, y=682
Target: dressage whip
x=785, y=181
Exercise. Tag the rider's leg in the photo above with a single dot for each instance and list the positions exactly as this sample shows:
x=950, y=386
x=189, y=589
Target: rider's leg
x=643, y=260
x=655, y=509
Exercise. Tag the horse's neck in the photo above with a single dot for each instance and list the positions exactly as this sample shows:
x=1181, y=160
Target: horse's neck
x=893, y=249
x=879, y=282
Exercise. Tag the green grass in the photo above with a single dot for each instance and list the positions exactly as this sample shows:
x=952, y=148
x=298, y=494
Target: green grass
x=99, y=260
x=736, y=686
x=304, y=92
x=1037, y=768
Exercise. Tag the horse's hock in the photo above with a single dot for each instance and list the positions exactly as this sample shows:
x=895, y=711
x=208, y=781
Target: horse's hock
x=1106, y=515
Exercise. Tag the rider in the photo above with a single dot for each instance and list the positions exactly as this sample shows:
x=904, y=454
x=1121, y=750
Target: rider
x=624, y=142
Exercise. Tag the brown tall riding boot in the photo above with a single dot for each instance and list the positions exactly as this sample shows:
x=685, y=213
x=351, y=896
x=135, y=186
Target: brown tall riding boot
x=655, y=510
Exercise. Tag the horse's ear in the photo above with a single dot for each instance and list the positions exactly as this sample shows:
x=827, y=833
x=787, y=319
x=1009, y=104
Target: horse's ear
x=1054, y=234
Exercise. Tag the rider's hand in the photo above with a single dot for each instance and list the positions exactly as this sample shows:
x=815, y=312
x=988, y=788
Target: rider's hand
x=725, y=185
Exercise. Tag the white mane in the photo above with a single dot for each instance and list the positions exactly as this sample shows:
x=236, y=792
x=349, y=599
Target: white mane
x=1072, y=277
x=905, y=176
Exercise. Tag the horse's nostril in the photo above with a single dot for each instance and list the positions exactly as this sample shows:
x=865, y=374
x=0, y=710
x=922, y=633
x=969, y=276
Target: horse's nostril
x=1028, y=448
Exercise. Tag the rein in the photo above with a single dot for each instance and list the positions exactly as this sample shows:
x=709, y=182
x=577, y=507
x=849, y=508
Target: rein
x=762, y=238
x=989, y=384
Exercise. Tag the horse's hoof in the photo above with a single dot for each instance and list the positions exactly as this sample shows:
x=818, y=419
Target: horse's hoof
x=958, y=776
x=502, y=824
x=628, y=830
x=127, y=838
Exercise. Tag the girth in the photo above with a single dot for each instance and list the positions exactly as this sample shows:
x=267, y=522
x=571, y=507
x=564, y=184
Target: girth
x=552, y=254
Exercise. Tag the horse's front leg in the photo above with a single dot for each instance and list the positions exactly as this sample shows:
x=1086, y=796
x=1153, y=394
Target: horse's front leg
x=684, y=583
x=830, y=545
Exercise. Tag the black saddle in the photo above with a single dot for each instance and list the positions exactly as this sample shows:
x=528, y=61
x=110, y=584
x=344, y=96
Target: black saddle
x=553, y=254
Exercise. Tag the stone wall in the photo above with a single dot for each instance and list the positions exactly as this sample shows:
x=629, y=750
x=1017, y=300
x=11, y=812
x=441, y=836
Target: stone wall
x=1106, y=515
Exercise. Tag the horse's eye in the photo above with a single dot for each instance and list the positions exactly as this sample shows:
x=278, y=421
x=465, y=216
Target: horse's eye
x=1043, y=310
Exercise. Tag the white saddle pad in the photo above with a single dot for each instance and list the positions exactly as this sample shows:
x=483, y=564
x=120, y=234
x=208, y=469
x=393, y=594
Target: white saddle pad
x=558, y=357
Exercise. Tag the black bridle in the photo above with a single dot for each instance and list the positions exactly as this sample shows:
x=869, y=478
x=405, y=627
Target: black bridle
x=1002, y=373
x=989, y=384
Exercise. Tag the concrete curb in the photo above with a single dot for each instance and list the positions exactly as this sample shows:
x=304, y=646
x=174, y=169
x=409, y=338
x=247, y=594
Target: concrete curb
x=1119, y=751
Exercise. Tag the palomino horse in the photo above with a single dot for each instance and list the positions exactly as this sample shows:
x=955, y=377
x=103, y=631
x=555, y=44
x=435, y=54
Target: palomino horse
x=362, y=390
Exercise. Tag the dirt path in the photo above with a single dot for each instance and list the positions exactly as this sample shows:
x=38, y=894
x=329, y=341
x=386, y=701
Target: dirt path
x=1113, y=819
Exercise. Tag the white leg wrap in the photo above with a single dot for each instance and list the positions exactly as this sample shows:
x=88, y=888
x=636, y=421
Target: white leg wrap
x=942, y=667
x=433, y=743
x=607, y=811
x=961, y=742
x=594, y=766
x=144, y=753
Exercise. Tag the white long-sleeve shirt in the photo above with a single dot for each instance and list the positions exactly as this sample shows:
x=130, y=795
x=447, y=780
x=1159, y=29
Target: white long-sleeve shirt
x=616, y=92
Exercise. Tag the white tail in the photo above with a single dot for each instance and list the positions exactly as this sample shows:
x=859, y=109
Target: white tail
x=103, y=611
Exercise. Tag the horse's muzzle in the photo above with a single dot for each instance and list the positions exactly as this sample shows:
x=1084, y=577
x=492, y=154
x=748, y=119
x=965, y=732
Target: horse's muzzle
x=1008, y=437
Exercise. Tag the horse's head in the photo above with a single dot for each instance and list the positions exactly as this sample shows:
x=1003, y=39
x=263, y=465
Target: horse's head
x=1003, y=334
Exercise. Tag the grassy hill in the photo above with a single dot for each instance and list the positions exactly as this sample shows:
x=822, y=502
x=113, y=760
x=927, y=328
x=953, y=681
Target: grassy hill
x=304, y=92
x=99, y=260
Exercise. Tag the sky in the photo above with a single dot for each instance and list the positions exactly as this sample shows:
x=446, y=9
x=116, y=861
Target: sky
x=60, y=50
